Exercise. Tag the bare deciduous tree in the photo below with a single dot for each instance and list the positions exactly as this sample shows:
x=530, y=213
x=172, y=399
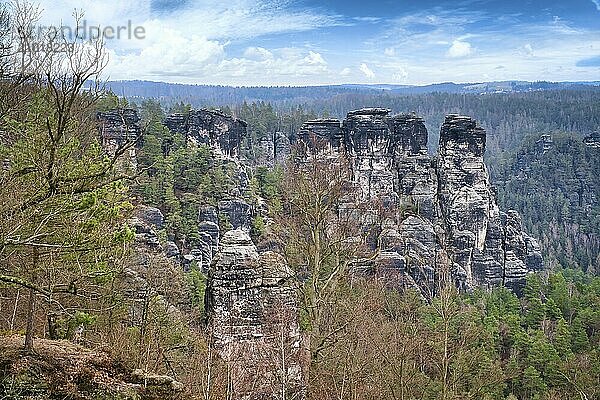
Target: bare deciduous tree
x=62, y=202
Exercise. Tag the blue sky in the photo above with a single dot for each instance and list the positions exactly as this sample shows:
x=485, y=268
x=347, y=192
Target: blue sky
x=260, y=42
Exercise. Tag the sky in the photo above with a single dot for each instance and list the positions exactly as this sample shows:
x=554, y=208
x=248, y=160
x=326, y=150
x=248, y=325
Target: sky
x=310, y=42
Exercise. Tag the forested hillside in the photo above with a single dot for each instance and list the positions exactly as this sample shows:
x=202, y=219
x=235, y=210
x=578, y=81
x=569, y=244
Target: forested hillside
x=553, y=180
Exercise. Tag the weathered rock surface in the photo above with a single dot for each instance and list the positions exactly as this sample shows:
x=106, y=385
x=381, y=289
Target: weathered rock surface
x=592, y=140
x=252, y=314
x=327, y=131
x=119, y=124
x=454, y=225
x=236, y=212
x=118, y=127
x=221, y=132
x=146, y=222
x=60, y=369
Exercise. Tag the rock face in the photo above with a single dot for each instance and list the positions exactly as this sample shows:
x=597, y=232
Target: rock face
x=454, y=225
x=236, y=212
x=327, y=131
x=269, y=151
x=592, y=140
x=489, y=245
x=252, y=314
x=118, y=127
x=146, y=222
x=213, y=128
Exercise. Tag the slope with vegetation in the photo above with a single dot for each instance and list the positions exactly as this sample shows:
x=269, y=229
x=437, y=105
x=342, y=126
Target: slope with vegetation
x=553, y=180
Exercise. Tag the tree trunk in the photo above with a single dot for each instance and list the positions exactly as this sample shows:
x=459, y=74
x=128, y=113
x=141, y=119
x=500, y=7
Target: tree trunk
x=29, y=330
x=31, y=306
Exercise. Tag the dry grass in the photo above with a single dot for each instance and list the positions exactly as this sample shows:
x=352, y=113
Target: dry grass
x=62, y=369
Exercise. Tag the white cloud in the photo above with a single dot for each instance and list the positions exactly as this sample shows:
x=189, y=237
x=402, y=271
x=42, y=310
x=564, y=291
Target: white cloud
x=282, y=66
x=364, y=68
x=371, y=20
x=459, y=49
x=400, y=75
x=345, y=72
x=214, y=19
x=212, y=41
x=257, y=53
x=527, y=50
x=191, y=43
x=314, y=59
x=597, y=3
x=177, y=55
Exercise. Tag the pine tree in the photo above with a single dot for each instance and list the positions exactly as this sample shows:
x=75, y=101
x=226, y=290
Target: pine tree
x=532, y=383
x=579, y=337
x=552, y=311
x=562, y=339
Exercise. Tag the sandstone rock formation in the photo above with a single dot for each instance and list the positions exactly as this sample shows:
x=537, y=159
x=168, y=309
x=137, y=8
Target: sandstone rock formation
x=118, y=127
x=146, y=222
x=454, y=225
x=252, y=315
x=221, y=132
x=236, y=212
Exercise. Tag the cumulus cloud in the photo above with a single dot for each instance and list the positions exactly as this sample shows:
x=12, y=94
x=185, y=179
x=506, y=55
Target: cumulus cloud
x=240, y=42
x=257, y=53
x=192, y=42
x=459, y=49
x=314, y=58
x=597, y=4
x=364, y=68
x=257, y=66
x=174, y=55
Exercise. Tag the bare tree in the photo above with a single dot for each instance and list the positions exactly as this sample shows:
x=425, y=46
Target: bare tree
x=325, y=227
x=62, y=202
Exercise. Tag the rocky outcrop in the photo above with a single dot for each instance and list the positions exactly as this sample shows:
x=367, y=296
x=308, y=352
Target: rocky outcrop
x=454, y=225
x=545, y=143
x=321, y=134
x=489, y=245
x=119, y=127
x=61, y=369
x=281, y=148
x=146, y=222
x=252, y=314
x=237, y=213
x=592, y=140
x=221, y=132
x=120, y=124
x=269, y=151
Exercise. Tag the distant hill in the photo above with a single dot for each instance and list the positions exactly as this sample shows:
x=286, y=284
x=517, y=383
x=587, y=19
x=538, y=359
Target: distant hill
x=220, y=95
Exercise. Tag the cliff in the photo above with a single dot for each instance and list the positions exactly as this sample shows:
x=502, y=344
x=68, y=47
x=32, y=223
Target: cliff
x=456, y=226
x=119, y=128
x=221, y=132
x=253, y=317
x=442, y=221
